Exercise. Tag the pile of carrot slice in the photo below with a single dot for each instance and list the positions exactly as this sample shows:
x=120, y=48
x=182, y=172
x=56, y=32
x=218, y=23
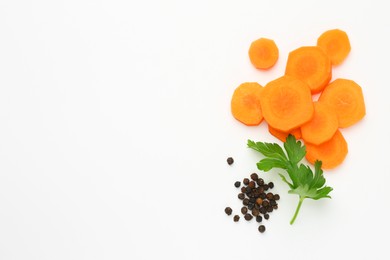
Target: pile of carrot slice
x=287, y=103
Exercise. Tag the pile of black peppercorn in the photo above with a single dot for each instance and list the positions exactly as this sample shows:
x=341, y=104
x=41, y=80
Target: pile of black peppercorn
x=257, y=201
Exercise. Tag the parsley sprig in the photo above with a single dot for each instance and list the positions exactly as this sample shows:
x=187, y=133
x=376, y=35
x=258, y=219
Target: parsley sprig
x=301, y=181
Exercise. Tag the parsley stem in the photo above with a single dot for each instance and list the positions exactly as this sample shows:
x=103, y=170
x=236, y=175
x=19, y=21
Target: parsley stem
x=297, y=210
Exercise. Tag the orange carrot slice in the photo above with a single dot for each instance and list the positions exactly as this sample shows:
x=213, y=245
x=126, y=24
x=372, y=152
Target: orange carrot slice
x=283, y=135
x=286, y=103
x=336, y=45
x=332, y=153
x=263, y=53
x=346, y=98
x=245, y=103
x=322, y=126
x=311, y=65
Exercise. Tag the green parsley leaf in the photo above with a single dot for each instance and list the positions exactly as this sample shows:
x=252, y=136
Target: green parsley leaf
x=303, y=182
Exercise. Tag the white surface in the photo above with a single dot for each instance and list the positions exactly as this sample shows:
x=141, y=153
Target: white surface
x=115, y=129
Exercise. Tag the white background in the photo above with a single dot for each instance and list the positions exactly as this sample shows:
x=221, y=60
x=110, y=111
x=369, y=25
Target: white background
x=115, y=127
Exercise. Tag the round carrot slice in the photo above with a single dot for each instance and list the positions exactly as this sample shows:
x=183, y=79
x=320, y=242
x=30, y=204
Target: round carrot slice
x=336, y=45
x=263, y=53
x=311, y=65
x=332, y=153
x=245, y=103
x=286, y=103
x=322, y=126
x=346, y=98
x=283, y=135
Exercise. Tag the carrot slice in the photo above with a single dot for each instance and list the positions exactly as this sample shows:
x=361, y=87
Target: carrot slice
x=263, y=53
x=311, y=65
x=336, y=45
x=245, y=103
x=346, y=98
x=286, y=103
x=332, y=153
x=283, y=135
x=322, y=126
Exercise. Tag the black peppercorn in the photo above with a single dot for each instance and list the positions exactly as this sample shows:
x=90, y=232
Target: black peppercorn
x=254, y=176
x=241, y=196
x=228, y=210
x=259, y=219
x=244, y=210
x=261, y=228
x=230, y=160
x=266, y=216
x=236, y=218
x=245, y=181
x=243, y=189
x=248, y=217
x=251, y=205
x=260, y=181
x=255, y=212
x=270, y=196
x=245, y=201
x=271, y=185
x=237, y=184
x=276, y=197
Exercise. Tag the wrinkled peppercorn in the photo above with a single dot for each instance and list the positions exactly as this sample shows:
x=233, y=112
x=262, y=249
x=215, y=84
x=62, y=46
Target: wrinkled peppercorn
x=230, y=160
x=237, y=184
x=259, y=219
x=248, y=217
x=254, y=176
x=236, y=218
x=228, y=210
x=276, y=197
x=245, y=201
x=244, y=210
x=241, y=196
x=255, y=212
x=270, y=196
x=246, y=181
x=271, y=185
x=266, y=216
x=261, y=228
